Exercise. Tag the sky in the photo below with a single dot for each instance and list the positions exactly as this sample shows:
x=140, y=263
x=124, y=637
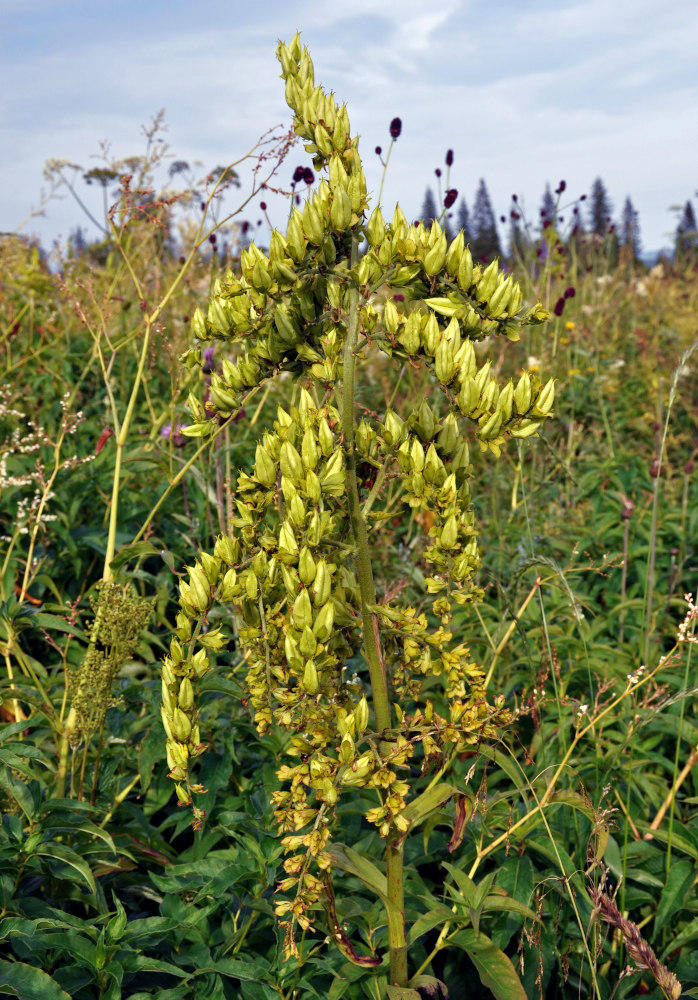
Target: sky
x=525, y=92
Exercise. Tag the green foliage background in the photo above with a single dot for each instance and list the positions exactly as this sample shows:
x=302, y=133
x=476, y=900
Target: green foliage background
x=589, y=542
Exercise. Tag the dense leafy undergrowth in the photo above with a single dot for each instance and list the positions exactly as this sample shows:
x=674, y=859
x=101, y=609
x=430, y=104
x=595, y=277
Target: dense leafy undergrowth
x=588, y=539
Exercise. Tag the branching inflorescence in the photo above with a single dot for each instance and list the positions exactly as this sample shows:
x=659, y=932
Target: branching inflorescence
x=296, y=567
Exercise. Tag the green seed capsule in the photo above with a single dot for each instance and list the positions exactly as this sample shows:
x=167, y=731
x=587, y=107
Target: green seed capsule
x=302, y=613
x=449, y=533
x=306, y=566
x=291, y=464
x=322, y=584
x=186, y=694
x=310, y=680
x=324, y=622
x=308, y=643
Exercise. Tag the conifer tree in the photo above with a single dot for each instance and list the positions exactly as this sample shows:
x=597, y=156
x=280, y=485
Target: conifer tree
x=463, y=221
x=547, y=209
x=599, y=209
x=485, y=244
x=429, y=209
x=519, y=242
x=630, y=229
x=687, y=234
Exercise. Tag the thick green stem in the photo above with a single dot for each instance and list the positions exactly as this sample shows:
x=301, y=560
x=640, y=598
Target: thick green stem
x=367, y=587
x=379, y=685
x=397, y=941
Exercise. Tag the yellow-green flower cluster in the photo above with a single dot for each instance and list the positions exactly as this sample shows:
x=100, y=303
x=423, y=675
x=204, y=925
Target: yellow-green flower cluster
x=291, y=568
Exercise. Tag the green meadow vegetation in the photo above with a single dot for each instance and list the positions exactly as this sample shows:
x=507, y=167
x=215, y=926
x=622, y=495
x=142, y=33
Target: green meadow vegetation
x=348, y=585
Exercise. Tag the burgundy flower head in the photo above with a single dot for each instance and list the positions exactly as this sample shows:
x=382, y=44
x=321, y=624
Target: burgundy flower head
x=449, y=158
x=395, y=128
x=178, y=439
x=308, y=175
x=209, y=364
x=378, y=150
x=450, y=198
x=438, y=171
x=298, y=174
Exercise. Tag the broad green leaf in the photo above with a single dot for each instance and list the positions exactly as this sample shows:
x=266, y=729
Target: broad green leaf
x=49, y=806
x=25, y=750
x=567, y=797
x=431, y=984
x=515, y=877
x=67, y=856
x=403, y=993
x=679, y=882
x=428, y=802
x=56, y=623
x=432, y=918
x=78, y=946
x=178, y=993
x=681, y=841
x=688, y=933
x=28, y=983
x=133, y=552
x=154, y=928
x=494, y=968
x=348, y=974
x=348, y=860
x=143, y=963
x=496, y=902
x=83, y=825
x=10, y=729
x=238, y=969
x=18, y=791
x=15, y=763
x=466, y=887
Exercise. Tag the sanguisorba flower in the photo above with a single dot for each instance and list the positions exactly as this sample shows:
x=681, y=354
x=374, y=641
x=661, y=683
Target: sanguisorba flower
x=395, y=128
x=178, y=439
x=450, y=198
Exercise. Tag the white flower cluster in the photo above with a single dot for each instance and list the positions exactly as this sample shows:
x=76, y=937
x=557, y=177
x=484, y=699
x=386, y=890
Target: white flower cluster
x=28, y=438
x=635, y=676
x=686, y=632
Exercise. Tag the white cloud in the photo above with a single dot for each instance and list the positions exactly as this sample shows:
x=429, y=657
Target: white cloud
x=522, y=93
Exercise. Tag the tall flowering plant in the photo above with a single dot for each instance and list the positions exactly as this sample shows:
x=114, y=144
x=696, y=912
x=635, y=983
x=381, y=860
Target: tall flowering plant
x=296, y=566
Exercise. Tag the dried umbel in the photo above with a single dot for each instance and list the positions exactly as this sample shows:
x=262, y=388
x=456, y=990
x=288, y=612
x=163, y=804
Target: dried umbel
x=296, y=566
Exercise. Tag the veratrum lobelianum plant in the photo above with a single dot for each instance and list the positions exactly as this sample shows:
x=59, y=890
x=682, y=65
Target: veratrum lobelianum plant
x=296, y=567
